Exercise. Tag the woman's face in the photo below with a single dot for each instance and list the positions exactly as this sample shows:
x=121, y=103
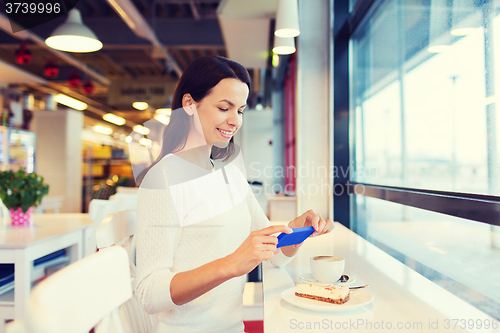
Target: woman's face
x=221, y=111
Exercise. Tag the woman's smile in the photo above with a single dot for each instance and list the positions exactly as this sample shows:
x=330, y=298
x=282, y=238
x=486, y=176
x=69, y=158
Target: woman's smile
x=225, y=134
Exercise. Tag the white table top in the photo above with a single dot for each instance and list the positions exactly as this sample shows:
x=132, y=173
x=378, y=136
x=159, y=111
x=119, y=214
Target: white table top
x=44, y=226
x=400, y=294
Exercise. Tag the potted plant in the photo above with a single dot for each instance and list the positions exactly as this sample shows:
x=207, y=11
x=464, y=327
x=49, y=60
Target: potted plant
x=21, y=191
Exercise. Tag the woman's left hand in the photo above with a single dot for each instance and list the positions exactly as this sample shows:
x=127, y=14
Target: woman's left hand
x=320, y=225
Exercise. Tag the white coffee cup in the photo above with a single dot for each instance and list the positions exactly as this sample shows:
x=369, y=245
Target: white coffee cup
x=327, y=269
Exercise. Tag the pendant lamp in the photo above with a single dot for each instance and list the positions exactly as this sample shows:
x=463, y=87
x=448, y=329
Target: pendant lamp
x=74, y=36
x=284, y=45
x=287, y=19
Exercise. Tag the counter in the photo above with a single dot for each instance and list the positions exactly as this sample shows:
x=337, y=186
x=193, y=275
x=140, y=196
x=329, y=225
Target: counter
x=403, y=300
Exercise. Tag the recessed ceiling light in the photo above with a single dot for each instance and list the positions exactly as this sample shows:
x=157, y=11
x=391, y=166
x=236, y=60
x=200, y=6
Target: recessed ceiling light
x=71, y=102
x=140, y=105
x=141, y=129
x=145, y=142
x=102, y=129
x=164, y=111
x=162, y=119
x=114, y=119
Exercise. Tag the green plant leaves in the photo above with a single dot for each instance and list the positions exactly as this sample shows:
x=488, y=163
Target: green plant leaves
x=22, y=189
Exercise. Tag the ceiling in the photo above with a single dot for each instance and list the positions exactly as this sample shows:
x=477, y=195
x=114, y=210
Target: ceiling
x=168, y=36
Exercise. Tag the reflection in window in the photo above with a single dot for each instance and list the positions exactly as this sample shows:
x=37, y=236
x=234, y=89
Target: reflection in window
x=421, y=77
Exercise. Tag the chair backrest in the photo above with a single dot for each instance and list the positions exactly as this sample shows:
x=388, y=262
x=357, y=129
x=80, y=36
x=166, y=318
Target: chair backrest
x=118, y=229
x=98, y=209
x=82, y=295
x=125, y=200
x=123, y=189
x=50, y=203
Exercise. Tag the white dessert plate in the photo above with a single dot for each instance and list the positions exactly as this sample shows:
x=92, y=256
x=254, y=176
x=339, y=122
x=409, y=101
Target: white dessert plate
x=357, y=298
x=309, y=278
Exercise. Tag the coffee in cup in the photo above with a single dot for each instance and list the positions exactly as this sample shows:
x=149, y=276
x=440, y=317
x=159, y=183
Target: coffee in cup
x=327, y=269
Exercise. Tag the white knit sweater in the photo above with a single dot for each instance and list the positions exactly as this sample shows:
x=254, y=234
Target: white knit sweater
x=187, y=217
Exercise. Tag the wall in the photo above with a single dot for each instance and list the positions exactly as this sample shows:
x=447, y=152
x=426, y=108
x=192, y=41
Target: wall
x=59, y=155
x=313, y=109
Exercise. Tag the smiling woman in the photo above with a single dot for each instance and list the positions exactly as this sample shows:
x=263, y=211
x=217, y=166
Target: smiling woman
x=200, y=229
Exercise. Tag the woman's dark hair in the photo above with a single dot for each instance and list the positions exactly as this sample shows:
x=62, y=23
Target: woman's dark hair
x=198, y=80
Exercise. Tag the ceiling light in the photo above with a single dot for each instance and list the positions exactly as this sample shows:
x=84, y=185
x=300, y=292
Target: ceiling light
x=287, y=19
x=164, y=111
x=71, y=102
x=102, y=129
x=114, y=119
x=284, y=45
x=128, y=139
x=145, y=142
x=141, y=129
x=462, y=31
x=140, y=105
x=438, y=48
x=162, y=119
x=74, y=36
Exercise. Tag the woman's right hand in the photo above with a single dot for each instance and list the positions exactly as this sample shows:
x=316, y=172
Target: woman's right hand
x=258, y=247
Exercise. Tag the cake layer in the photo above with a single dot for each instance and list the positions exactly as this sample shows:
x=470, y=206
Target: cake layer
x=324, y=299
x=325, y=291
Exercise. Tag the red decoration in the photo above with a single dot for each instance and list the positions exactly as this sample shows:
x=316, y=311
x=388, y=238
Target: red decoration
x=23, y=55
x=88, y=87
x=51, y=71
x=74, y=80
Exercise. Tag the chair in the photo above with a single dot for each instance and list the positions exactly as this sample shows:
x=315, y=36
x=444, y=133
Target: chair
x=81, y=296
x=125, y=200
x=50, y=203
x=4, y=211
x=118, y=229
x=98, y=209
x=123, y=189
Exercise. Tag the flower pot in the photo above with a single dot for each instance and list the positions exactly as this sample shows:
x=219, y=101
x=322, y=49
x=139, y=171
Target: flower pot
x=18, y=217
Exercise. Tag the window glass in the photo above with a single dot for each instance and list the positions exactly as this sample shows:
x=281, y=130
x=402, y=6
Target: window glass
x=423, y=96
x=461, y=256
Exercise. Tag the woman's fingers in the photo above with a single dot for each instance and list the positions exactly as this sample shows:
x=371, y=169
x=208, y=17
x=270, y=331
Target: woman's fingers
x=321, y=227
x=274, y=229
x=266, y=240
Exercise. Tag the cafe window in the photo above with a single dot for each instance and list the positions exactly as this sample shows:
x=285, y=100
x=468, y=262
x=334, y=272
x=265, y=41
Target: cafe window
x=424, y=81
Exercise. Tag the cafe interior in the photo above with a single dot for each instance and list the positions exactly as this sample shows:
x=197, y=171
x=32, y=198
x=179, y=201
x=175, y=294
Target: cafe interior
x=379, y=115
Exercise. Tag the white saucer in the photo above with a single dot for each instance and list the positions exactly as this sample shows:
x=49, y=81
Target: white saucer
x=309, y=278
x=357, y=298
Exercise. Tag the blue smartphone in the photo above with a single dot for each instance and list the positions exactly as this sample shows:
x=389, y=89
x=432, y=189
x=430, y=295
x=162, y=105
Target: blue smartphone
x=296, y=237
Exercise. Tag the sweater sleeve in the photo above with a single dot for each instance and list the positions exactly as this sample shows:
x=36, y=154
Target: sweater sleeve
x=157, y=238
x=260, y=221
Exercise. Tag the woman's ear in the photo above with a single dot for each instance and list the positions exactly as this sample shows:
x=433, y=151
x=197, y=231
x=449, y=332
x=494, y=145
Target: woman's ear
x=188, y=104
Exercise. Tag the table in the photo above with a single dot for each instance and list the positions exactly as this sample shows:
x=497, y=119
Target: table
x=21, y=245
x=403, y=299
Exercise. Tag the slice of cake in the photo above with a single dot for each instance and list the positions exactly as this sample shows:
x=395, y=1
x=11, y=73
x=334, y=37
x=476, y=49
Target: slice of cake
x=325, y=293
